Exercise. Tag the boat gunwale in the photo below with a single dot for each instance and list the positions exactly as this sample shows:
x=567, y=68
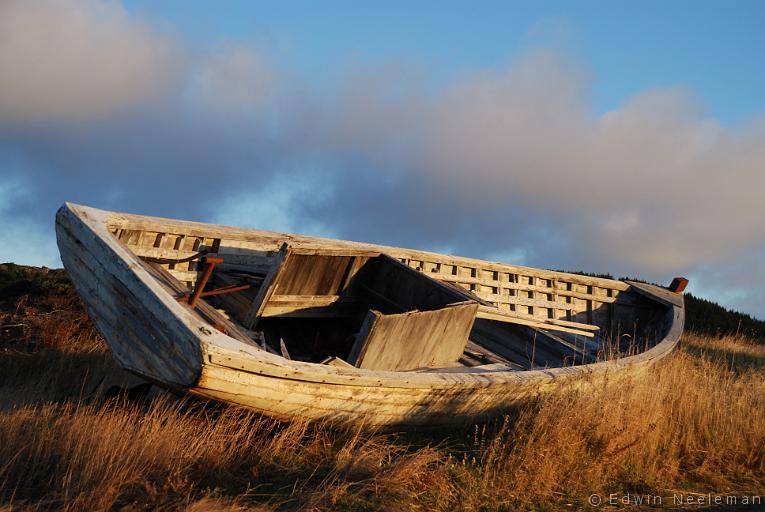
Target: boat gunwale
x=192, y=228
x=217, y=346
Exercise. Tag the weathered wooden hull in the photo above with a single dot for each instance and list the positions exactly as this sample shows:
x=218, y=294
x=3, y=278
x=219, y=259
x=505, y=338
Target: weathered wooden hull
x=153, y=335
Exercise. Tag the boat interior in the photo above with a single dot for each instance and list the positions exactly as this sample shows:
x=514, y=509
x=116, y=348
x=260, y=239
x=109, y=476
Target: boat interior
x=383, y=308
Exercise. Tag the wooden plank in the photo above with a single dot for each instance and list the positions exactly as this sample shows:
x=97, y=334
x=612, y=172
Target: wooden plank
x=205, y=310
x=309, y=286
x=266, y=289
x=112, y=279
x=233, y=258
x=524, y=301
x=493, y=367
x=267, y=240
x=660, y=294
x=184, y=275
x=483, y=354
x=405, y=287
x=548, y=324
x=308, y=274
x=308, y=300
x=338, y=362
x=312, y=306
x=416, y=339
x=494, y=297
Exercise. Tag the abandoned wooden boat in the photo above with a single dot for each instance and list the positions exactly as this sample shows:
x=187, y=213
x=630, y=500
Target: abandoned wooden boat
x=321, y=329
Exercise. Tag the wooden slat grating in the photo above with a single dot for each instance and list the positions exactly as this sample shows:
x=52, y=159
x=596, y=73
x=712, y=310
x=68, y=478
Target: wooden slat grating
x=525, y=293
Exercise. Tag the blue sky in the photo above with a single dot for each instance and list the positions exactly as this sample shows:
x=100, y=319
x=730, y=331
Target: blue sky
x=713, y=48
x=611, y=137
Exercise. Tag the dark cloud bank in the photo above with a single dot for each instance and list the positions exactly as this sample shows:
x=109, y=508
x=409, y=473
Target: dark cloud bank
x=99, y=107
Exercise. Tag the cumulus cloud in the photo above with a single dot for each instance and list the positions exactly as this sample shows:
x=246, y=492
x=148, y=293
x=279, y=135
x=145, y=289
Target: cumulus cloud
x=653, y=187
x=511, y=163
x=233, y=79
x=63, y=61
x=515, y=161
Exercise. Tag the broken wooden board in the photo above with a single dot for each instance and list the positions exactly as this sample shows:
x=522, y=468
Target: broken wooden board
x=392, y=286
x=416, y=339
x=336, y=361
x=306, y=285
x=154, y=335
x=489, y=313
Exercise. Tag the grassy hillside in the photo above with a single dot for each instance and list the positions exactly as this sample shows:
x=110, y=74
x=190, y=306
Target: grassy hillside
x=694, y=425
x=706, y=317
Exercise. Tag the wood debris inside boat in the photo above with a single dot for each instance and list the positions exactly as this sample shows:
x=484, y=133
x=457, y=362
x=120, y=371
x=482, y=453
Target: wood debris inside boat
x=350, y=332
x=373, y=311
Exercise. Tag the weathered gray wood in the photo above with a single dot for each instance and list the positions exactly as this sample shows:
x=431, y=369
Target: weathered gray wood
x=550, y=324
x=405, y=287
x=493, y=367
x=336, y=361
x=205, y=310
x=153, y=335
x=266, y=289
x=306, y=284
x=236, y=304
x=416, y=339
x=486, y=279
x=143, y=335
x=283, y=348
x=662, y=294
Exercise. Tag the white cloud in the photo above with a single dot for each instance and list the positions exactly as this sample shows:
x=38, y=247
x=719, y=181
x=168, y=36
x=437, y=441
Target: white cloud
x=232, y=78
x=653, y=186
x=68, y=61
x=510, y=163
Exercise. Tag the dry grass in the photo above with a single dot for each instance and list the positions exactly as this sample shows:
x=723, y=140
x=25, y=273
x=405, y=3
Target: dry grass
x=694, y=424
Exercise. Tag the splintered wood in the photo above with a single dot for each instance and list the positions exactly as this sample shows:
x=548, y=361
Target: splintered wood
x=418, y=339
x=536, y=298
x=350, y=332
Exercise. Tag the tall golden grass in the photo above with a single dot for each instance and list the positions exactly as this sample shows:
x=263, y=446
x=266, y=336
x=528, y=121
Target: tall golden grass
x=694, y=424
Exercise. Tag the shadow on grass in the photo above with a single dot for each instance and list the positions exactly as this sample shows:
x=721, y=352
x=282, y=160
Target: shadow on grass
x=736, y=359
x=49, y=375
